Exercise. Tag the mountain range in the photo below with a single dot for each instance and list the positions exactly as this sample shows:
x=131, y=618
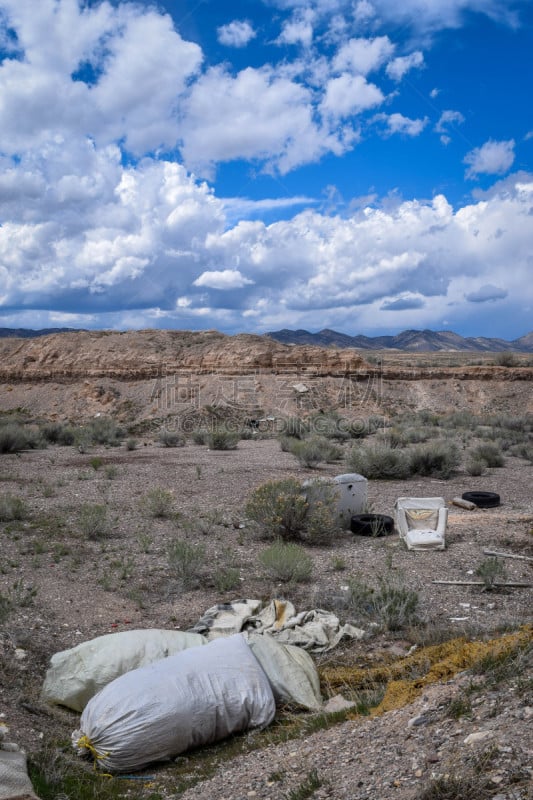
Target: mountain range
x=409, y=341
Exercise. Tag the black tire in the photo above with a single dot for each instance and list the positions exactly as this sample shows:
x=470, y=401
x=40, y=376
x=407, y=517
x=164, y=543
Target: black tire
x=372, y=525
x=483, y=499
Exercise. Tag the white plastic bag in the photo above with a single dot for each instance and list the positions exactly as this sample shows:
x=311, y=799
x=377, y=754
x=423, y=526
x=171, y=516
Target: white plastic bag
x=76, y=675
x=193, y=698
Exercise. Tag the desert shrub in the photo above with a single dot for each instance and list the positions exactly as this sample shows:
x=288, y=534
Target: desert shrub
x=424, y=417
x=57, y=433
x=185, y=561
x=489, y=453
x=366, y=426
x=285, y=442
x=462, y=420
x=222, y=439
x=280, y=508
x=307, y=787
x=519, y=424
x=12, y=508
x=15, y=437
x=379, y=461
x=472, y=780
x=321, y=524
x=158, y=502
x=104, y=430
x=283, y=510
x=19, y=595
x=295, y=427
x=170, y=438
x=506, y=359
x=199, y=436
x=96, y=462
x=399, y=436
x=490, y=570
x=523, y=451
x=330, y=426
x=311, y=452
x=287, y=562
x=393, y=605
x=226, y=579
x=438, y=459
x=93, y=521
x=131, y=444
x=205, y=522
x=475, y=467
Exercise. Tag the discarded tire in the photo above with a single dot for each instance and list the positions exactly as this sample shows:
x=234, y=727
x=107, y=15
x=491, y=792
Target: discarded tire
x=483, y=499
x=372, y=525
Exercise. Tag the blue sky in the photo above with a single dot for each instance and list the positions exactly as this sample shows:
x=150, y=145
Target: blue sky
x=362, y=165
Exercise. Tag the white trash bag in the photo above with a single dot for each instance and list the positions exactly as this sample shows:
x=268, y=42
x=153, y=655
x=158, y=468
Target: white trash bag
x=193, y=698
x=76, y=675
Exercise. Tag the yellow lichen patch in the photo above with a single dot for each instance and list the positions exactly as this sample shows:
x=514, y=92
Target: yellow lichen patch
x=406, y=678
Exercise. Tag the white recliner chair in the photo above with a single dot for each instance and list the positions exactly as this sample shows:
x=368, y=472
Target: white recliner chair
x=421, y=522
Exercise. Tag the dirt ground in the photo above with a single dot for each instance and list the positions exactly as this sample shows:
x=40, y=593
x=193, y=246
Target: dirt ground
x=65, y=588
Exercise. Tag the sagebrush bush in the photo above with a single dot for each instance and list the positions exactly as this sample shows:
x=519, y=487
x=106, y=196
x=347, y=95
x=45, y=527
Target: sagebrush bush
x=15, y=437
x=12, y=508
x=226, y=579
x=294, y=427
x=57, y=433
x=506, y=359
x=393, y=604
x=186, y=561
x=313, y=451
x=330, y=426
x=283, y=510
x=475, y=467
x=379, y=461
x=104, y=430
x=287, y=562
x=436, y=459
x=170, y=438
x=490, y=570
x=158, y=502
x=199, y=436
x=93, y=521
x=222, y=439
x=489, y=453
x=523, y=451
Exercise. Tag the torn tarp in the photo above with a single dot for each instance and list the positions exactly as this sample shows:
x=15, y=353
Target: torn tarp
x=315, y=630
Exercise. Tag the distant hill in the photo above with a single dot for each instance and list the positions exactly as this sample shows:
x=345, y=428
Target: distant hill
x=409, y=341
x=28, y=333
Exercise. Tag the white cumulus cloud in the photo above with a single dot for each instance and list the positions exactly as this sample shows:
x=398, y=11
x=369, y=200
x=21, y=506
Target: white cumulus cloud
x=397, y=123
x=350, y=94
x=400, y=66
x=363, y=55
x=492, y=158
x=222, y=279
x=236, y=34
